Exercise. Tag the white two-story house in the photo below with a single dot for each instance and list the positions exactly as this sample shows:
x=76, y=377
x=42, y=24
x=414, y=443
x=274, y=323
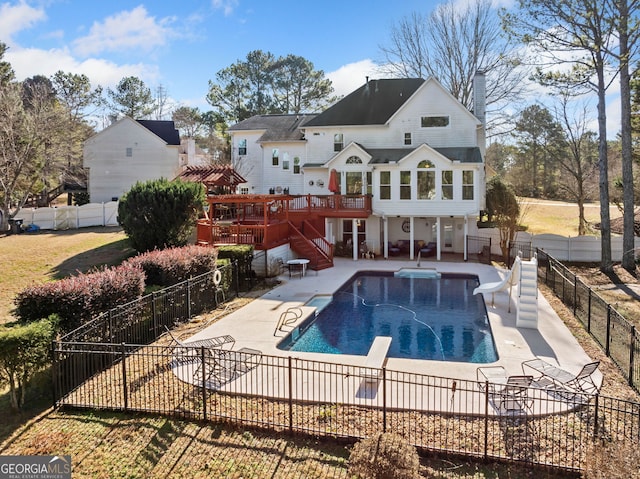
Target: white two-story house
x=407, y=143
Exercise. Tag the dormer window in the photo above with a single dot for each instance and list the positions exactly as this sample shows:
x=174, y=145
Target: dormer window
x=338, y=142
x=434, y=121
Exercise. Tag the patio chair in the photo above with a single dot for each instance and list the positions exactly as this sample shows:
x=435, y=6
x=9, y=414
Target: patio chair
x=222, y=366
x=554, y=377
x=510, y=394
x=187, y=350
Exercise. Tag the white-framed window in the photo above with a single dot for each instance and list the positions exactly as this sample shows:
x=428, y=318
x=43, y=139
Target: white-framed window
x=354, y=160
x=426, y=180
x=407, y=138
x=129, y=152
x=467, y=184
x=405, y=185
x=244, y=190
x=434, y=121
x=296, y=165
x=275, y=157
x=242, y=147
x=447, y=184
x=338, y=142
x=385, y=185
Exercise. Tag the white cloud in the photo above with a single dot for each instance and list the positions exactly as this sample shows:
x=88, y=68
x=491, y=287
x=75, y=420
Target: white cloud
x=126, y=31
x=17, y=17
x=28, y=62
x=349, y=77
x=227, y=6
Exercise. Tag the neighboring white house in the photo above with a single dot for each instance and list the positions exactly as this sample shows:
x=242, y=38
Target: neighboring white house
x=407, y=142
x=129, y=151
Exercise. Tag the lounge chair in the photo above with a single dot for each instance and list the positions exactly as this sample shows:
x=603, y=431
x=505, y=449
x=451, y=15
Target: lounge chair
x=510, y=394
x=187, y=350
x=554, y=377
x=222, y=366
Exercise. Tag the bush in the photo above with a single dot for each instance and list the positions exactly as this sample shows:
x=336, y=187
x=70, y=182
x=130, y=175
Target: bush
x=80, y=298
x=24, y=350
x=612, y=460
x=384, y=456
x=158, y=214
x=173, y=265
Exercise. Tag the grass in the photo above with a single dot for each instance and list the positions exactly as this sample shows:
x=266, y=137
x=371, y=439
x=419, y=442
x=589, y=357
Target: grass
x=48, y=255
x=557, y=217
x=117, y=445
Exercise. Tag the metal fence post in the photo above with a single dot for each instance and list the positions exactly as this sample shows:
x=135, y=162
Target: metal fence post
x=54, y=374
x=632, y=348
x=237, y=275
x=595, y=416
x=153, y=312
x=608, y=338
x=204, y=384
x=486, y=419
x=189, y=298
x=575, y=293
x=589, y=314
x=125, y=391
x=384, y=399
x=290, y=396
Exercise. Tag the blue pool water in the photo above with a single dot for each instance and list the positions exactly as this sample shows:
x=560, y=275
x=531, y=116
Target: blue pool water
x=435, y=318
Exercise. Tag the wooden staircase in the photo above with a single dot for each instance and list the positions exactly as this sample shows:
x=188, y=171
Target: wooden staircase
x=308, y=243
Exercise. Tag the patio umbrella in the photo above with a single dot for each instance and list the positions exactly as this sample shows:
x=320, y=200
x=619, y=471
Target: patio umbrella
x=334, y=187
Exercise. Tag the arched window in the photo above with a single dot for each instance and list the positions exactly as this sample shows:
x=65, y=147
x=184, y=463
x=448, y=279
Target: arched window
x=426, y=164
x=354, y=160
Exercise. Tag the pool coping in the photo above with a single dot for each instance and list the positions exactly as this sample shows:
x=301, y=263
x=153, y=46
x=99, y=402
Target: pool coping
x=254, y=325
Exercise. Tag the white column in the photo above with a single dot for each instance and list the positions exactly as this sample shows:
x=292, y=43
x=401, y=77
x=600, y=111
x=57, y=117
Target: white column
x=354, y=233
x=411, y=238
x=464, y=238
x=385, y=237
x=438, y=238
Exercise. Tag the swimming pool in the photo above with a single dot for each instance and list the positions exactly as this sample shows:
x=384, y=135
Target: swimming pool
x=436, y=318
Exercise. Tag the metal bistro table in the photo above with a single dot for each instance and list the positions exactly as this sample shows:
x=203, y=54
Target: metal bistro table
x=298, y=266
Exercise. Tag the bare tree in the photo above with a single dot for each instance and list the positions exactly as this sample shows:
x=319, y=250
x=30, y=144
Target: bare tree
x=452, y=44
x=573, y=33
x=30, y=142
x=581, y=162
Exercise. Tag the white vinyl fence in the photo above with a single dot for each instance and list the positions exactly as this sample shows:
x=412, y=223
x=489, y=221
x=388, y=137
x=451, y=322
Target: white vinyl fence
x=563, y=248
x=70, y=217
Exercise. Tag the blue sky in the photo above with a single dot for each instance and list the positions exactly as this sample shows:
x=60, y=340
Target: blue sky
x=181, y=45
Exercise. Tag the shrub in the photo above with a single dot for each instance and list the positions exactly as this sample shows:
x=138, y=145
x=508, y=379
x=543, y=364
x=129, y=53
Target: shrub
x=612, y=460
x=24, y=350
x=384, y=456
x=158, y=214
x=80, y=298
x=173, y=265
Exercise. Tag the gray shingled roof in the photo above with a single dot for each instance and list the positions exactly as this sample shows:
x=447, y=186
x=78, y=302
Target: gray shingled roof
x=386, y=155
x=277, y=127
x=165, y=129
x=371, y=104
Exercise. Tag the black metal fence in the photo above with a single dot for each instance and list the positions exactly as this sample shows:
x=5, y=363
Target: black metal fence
x=479, y=249
x=617, y=336
x=142, y=321
x=336, y=400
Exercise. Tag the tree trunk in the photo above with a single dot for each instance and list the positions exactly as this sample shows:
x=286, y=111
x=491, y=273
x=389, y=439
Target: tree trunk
x=606, y=264
x=628, y=237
